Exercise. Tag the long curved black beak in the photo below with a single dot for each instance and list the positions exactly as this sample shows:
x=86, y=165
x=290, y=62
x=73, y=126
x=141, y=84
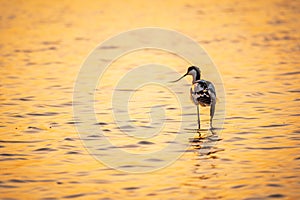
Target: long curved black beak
x=179, y=78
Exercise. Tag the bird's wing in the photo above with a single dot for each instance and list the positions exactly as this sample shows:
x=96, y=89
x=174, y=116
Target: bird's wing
x=211, y=88
x=194, y=96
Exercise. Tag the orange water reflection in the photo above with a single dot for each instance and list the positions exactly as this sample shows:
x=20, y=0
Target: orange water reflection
x=256, y=46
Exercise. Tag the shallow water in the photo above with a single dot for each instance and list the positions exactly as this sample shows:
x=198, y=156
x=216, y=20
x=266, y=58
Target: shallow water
x=256, y=48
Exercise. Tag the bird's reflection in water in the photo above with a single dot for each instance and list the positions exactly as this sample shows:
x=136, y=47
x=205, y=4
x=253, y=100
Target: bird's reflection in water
x=205, y=142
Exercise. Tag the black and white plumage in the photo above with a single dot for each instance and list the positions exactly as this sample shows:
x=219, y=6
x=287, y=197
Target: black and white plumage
x=202, y=92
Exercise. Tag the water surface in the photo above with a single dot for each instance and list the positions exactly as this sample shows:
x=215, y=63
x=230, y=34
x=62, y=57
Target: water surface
x=256, y=48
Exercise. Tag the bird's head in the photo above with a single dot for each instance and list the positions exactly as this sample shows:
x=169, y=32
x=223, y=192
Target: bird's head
x=193, y=71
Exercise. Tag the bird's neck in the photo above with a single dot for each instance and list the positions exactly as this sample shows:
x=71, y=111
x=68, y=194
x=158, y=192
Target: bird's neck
x=196, y=76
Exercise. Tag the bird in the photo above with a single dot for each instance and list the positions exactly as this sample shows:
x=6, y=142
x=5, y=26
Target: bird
x=202, y=92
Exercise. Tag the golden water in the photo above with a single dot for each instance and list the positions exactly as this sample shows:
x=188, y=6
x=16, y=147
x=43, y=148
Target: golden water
x=255, y=45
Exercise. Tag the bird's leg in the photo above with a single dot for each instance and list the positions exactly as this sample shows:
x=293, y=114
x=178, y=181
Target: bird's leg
x=212, y=112
x=198, y=114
